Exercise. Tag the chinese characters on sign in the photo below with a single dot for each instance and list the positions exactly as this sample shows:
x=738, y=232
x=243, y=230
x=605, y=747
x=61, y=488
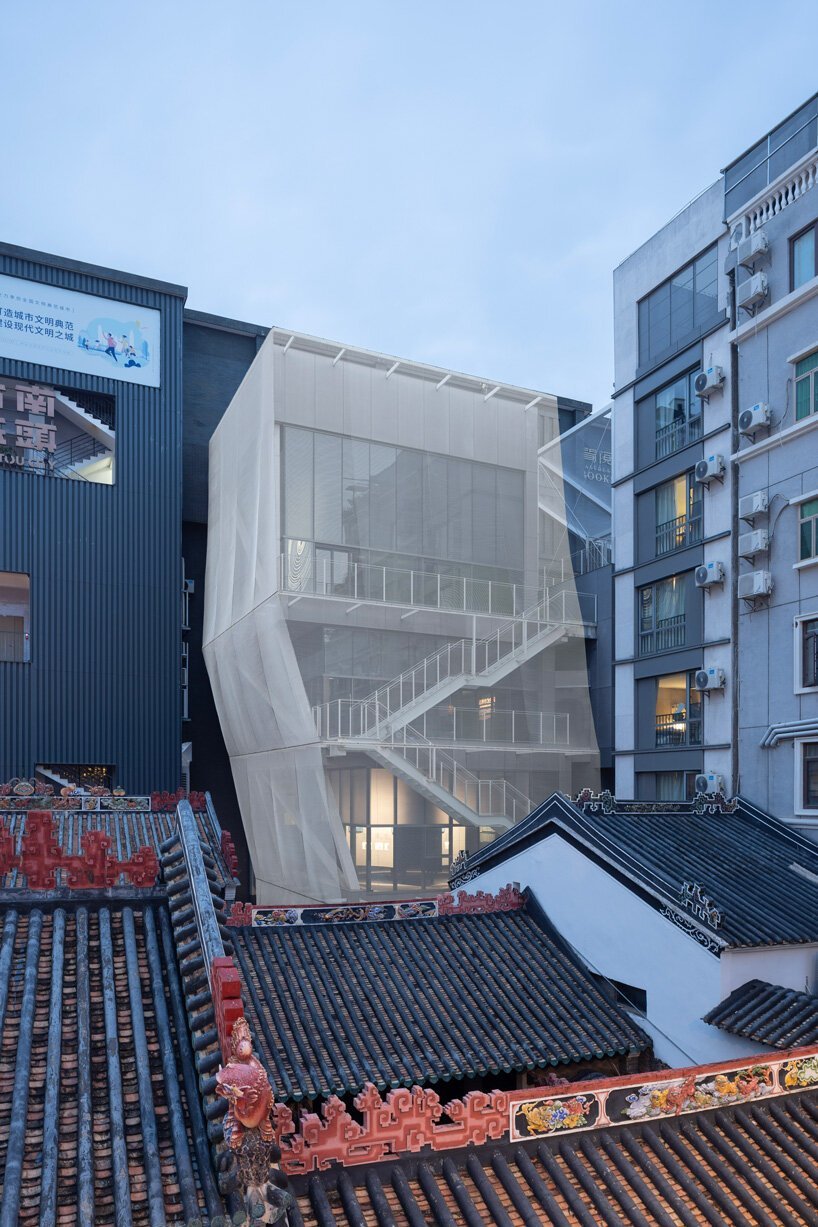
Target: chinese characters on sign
x=61, y=328
x=27, y=425
x=597, y=465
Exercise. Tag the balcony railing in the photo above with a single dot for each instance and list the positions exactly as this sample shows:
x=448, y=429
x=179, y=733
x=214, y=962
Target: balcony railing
x=360, y=581
x=678, y=730
x=678, y=533
x=676, y=435
x=341, y=719
x=668, y=633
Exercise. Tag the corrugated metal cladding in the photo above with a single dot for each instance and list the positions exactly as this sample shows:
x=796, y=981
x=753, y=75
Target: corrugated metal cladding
x=103, y=685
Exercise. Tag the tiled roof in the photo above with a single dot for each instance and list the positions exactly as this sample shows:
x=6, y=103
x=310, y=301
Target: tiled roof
x=129, y=831
x=768, y=1014
x=741, y=1165
x=398, y=1003
x=760, y=875
x=95, y=1122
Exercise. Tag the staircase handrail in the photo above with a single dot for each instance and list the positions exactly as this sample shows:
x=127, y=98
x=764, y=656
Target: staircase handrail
x=485, y=651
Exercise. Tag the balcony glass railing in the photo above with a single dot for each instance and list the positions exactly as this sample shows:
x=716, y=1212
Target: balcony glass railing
x=676, y=435
x=678, y=730
x=303, y=574
x=668, y=633
x=679, y=533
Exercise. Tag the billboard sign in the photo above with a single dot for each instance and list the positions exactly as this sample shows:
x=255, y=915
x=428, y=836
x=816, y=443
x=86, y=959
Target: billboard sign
x=79, y=332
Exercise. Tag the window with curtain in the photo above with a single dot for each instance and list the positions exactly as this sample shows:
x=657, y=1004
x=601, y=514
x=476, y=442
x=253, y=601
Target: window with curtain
x=678, y=514
x=662, y=615
x=806, y=387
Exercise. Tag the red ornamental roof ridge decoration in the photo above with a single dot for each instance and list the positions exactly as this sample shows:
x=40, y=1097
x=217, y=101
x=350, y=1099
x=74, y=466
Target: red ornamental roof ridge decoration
x=40, y=857
x=406, y=1120
x=508, y=899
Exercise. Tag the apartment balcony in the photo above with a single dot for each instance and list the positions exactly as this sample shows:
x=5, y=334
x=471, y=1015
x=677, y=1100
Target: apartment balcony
x=676, y=435
x=667, y=634
x=678, y=729
x=679, y=533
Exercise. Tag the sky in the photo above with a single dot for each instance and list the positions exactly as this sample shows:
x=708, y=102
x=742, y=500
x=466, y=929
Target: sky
x=450, y=181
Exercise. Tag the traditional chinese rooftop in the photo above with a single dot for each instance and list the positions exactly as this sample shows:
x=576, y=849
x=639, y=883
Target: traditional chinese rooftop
x=421, y=992
x=768, y=1014
x=756, y=878
x=739, y=1165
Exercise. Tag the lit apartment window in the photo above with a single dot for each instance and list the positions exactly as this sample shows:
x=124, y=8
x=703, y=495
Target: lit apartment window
x=678, y=514
x=15, y=613
x=806, y=776
x=678, y=711
x=679, y=309
x=803, y=257
x=808, y=529
x=806, y=386
x=678, y=416
x=662, y=615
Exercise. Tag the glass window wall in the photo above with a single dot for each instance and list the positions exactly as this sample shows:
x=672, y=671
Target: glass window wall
x=370, y=496
x=681, y=308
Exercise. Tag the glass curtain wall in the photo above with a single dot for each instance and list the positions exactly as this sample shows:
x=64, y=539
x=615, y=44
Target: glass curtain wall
x=395, y=506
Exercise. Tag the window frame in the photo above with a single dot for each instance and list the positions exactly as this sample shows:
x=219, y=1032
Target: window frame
x=799, y=686
x=807, y=377
x=654, y=651
x=27, y=622
x=650, y=403
x=812, y=227
x=689, y=675
x=699, y=327
x=807, y=519
x=799, y=759
x=691, y=500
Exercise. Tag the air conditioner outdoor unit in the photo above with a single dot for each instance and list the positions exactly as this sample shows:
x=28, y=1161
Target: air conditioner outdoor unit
x=711, y=380
x=756, y=542
x=753, y=249
x=752, y=505
x=753, y=419
x=707, y=470
x=708, y=574
x=709, y=785
x=709, y=679
x=751, y=294
x=755, y=584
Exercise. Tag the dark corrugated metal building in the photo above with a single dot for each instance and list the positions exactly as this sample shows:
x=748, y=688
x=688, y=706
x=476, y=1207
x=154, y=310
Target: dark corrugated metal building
x=98, y=682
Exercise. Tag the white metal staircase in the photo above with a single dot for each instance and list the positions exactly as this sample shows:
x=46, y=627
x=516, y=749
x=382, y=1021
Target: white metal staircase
x=465, y=662
x=370, y=724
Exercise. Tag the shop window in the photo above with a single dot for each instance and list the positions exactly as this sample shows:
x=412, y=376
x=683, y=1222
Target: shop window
x=15, y=617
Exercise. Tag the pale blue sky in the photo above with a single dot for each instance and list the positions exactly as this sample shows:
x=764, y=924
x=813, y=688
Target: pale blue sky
x=450, y=181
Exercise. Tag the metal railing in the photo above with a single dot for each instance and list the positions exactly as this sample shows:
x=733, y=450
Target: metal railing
x=676, y=534
x=678, y=730
x=473, y=657
x=676, y=435
x=341, y=720
x=362, y=581
x=668, y=633
x=72, y=451
x=597, y=552
x=494, y=798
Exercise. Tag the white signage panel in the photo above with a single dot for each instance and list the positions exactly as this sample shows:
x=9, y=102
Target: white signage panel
x=79, y=332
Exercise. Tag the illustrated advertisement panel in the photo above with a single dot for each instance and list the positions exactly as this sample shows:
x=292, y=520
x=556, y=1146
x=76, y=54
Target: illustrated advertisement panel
x=79, y=332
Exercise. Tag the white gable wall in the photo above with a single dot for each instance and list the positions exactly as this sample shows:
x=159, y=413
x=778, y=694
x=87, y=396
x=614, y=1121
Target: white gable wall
x=621, y=937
